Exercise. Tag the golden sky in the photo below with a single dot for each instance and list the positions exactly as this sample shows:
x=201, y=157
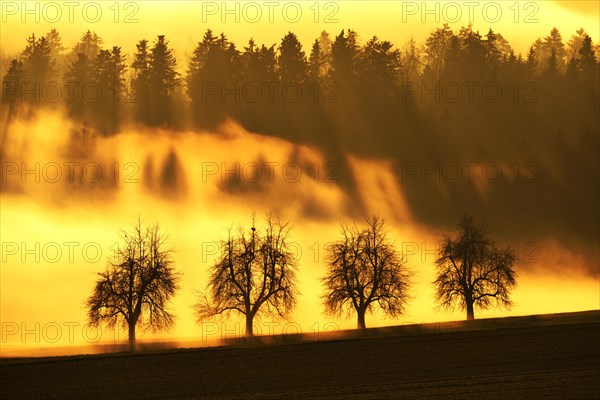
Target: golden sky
x=184, y=22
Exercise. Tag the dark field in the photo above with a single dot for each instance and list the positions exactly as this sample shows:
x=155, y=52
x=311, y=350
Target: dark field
x=537, y=357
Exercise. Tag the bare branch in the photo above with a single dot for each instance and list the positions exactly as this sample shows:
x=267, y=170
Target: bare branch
x=254, y=274
x=365, y=269
x=136, y=287
x=472, y=271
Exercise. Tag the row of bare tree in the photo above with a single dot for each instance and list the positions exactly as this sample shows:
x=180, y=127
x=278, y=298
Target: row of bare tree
x=255, y=273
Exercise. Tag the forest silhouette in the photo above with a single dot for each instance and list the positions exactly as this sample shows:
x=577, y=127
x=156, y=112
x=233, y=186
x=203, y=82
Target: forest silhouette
x=459, y=98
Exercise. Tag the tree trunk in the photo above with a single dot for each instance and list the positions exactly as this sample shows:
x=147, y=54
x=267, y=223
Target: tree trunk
x=249, y=330
x=131, y=336
x=470, y=313
x=361, y=318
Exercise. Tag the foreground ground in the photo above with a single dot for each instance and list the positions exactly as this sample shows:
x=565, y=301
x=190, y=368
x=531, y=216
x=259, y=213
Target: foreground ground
x=533, y=357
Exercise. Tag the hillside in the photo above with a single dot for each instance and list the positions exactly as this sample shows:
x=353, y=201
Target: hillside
x=546, y=356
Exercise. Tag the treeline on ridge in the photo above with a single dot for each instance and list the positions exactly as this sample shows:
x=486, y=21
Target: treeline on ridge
x=277, y=89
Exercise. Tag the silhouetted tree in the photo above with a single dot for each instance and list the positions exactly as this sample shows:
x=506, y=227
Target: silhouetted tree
x=472, y=271
x=380, y=63
x=109, y=76
x=259, y=63
x=344, y=56
x=474, y=52
x=411, y=61
x=586, y=61
x=12, y=84
x=140, y=82
x=364, y=270
x=320, y=58
x=435, y=51
x=292, y=65
x=78, y=80
x=90, y=44
x=258, y=70
x=551, y=71
x=135, y=289
x=254, y=274
x=553, y=47
x=57, y=50
x=314, y=61
x=540, y=56
x=213, y=72
x=574, y=44
x=55, y=43
x=503, y=47
x=453, y=60
x=202, y=72
x=492, y=52
x=163, y=79
x=572, y=74
x=531, y=62
x=378, y=67
x=39, y=65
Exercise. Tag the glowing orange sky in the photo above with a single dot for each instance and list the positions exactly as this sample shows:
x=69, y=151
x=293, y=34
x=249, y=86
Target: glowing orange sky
x=184, y=22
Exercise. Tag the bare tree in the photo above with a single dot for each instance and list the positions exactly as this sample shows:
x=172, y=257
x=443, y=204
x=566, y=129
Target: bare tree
x=411, y=60
x=435, y=50
x=365, y=269
x=254, y=274
x=137, y=285
x=473, y=271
